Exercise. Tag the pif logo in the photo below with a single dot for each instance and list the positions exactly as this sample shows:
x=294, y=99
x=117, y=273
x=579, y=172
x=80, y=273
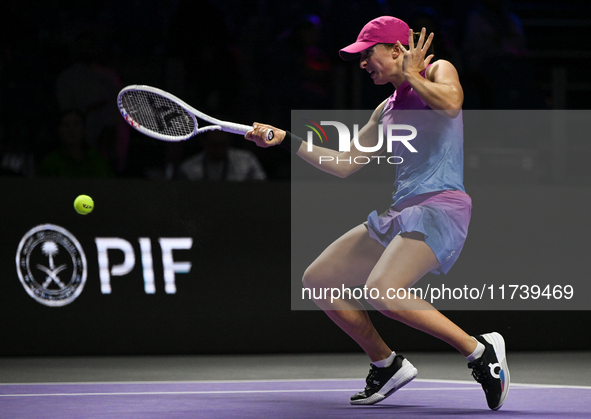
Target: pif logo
x=394, y=133
x=51, y=264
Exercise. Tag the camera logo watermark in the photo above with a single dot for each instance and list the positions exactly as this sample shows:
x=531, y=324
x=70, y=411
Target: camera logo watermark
x=317, y=129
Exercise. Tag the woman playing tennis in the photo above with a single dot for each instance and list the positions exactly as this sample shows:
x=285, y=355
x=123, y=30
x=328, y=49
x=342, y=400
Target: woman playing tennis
x=425, y=227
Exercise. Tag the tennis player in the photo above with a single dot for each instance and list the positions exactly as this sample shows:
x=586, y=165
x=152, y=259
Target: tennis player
x=425, y=227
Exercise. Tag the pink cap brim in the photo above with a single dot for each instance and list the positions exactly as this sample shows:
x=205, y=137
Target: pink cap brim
x=352, y=51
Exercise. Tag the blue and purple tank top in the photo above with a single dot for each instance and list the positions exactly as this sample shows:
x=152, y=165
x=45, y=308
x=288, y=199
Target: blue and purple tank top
x=438, y=164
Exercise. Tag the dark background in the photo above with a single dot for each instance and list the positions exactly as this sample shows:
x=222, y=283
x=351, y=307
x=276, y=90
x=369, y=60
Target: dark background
x=255, y=60
x=252, y=61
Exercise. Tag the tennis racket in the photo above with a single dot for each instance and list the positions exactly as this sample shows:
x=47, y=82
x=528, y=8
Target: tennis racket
x=163, y=116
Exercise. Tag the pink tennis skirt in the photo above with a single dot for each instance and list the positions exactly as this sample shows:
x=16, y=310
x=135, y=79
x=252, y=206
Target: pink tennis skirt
x=443, y=217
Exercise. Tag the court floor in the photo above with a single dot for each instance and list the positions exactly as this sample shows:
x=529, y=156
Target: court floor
x=544, y=385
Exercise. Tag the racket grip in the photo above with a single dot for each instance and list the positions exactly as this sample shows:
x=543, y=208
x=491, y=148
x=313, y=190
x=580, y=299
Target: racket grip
x=242, y=129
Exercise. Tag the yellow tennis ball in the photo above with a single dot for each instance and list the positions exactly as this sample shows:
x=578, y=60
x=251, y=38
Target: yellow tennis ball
x=83, y=204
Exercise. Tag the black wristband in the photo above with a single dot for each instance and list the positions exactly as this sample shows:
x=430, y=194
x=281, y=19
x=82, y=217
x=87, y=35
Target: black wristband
x=291, y=142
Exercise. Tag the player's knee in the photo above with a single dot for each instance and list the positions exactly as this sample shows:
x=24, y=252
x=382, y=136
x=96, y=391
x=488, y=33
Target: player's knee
x=373, y=293
x=311, y=278
x=374, y=299
x=379, y=295
x=390, y=308
x=391, y=300
x=315, y=277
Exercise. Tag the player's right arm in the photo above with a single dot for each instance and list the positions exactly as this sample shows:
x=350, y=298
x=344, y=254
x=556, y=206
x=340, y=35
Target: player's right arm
x=320, y=157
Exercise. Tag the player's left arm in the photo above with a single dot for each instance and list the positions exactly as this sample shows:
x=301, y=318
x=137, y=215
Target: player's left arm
x=441, y=89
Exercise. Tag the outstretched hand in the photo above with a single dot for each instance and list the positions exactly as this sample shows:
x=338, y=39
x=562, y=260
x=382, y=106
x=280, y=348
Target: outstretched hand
x=414, y=60
x=258, y=135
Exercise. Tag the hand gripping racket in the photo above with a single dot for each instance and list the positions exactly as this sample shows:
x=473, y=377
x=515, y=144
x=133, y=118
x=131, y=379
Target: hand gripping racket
x=160, y=115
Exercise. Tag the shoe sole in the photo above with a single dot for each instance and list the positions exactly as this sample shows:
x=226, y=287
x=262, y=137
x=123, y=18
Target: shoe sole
x=403, y=376
x=498, y=343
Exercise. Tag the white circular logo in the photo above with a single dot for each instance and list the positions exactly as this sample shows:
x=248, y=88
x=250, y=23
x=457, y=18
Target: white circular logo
x=51, y=265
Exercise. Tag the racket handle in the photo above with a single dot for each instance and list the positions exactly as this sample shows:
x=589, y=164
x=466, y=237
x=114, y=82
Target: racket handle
x=235, y=128
x=242, y=129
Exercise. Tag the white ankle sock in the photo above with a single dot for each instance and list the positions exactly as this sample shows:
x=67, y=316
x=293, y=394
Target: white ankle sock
x=384, y=363
x=477, y=352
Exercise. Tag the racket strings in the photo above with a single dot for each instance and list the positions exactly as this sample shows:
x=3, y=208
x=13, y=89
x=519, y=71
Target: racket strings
x=158, y=113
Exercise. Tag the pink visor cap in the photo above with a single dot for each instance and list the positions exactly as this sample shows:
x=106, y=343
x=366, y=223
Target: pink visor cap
x=382, y=30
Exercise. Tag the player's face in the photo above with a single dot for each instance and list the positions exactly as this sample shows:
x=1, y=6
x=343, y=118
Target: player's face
x=378, y=62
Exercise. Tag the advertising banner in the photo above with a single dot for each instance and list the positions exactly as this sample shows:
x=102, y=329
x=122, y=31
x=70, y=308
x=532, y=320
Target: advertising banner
x=156, y=267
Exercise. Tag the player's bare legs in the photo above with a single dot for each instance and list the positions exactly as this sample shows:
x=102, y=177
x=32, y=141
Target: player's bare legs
x=356, y=259
x=406, y=260
x=349, y=261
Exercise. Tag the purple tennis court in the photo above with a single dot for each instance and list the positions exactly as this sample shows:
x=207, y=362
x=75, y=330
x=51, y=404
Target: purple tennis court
x=282, y=398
